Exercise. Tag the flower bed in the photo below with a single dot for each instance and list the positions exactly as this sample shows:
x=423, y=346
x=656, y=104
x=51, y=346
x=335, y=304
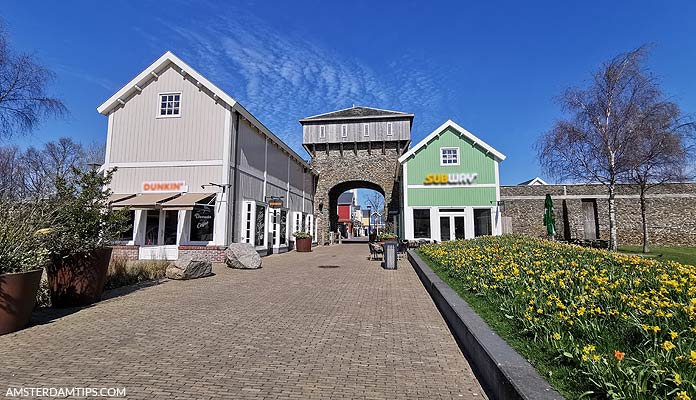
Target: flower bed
x=627, y=324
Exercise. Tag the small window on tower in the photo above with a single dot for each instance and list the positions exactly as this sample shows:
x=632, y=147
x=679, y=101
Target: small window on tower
x=344, y=131
x=322, y=132
x=366, y=130
x=389, y=129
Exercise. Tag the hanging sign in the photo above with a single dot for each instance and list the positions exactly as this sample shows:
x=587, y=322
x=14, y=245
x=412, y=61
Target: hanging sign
x=450, y=179
x=164, y=186
x=274, y=202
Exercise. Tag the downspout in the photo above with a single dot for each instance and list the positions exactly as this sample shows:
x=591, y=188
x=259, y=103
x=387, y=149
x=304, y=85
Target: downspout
x=236, y=175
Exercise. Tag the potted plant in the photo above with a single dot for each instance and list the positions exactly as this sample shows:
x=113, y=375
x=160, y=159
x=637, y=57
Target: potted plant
x=386, y=237
x=22, y=258
x=79, y=243
x=303, y=241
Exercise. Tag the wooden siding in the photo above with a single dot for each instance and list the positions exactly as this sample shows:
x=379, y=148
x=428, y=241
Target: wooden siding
x=401, y=129
x=139, y=135
x=252, y=149
x=452, y=196
x=130, y=180
x=472, y=159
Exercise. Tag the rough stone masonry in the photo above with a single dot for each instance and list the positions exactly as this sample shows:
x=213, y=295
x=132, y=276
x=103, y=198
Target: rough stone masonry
x=670, y=208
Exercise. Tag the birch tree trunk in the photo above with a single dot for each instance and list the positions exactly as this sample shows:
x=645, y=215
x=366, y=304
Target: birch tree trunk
x=644, y=220
x=612, y=219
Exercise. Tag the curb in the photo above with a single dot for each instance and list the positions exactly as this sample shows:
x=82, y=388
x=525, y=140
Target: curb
x=502, y=372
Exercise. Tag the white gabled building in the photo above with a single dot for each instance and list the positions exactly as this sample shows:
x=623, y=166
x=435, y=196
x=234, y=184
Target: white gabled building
x=198, y=170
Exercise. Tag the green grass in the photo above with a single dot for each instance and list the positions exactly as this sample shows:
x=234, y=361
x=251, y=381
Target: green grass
x=682, y=255
x=563, y=378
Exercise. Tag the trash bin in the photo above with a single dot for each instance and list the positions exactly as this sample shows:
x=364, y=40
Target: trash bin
x=390, y=252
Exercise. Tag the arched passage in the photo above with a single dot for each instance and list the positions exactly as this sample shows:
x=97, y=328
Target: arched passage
x=342, y=187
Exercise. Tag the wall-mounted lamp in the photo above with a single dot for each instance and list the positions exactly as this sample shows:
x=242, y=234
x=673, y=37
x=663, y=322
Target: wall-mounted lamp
x=221, y=186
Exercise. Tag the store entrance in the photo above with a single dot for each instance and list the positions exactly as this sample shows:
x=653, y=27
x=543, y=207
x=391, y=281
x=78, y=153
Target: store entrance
x=278, y=227
x=452, y=226
x=161, y=235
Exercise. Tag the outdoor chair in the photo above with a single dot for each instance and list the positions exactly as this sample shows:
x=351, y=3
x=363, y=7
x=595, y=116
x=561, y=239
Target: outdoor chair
x=376, y=250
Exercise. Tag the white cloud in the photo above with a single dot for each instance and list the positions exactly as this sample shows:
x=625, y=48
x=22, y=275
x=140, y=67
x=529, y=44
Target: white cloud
x=281, y=78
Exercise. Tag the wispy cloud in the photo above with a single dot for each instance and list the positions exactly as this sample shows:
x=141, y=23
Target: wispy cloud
x=282, y=78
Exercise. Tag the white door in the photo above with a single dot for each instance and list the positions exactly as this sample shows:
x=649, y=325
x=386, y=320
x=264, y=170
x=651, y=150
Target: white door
x=452, y=226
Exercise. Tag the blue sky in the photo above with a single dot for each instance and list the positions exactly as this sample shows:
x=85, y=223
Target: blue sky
x=493, y=67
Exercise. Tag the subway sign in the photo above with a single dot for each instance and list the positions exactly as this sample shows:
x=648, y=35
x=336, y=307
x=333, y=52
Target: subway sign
x=464, y=178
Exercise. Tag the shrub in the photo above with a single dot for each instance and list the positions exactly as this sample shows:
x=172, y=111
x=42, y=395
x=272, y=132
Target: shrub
x=83, y=222
x=302, y=235
x=124, y=273
x=627, y=323
x=22, y=229
x=386, y=236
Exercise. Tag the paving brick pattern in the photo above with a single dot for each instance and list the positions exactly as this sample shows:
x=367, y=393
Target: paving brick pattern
x=289, y=330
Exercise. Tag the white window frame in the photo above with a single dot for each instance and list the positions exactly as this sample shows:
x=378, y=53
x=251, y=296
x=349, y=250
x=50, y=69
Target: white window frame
x=296, y=221
x=457, y=153
x=310, y=226
x=322, y=132
x=252, y=238
x=390, y=132
x=159, y=104
x=366, y=130
x=188, y=217
x=344, y=131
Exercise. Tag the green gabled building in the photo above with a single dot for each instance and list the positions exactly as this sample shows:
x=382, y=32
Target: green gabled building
x=450, y=186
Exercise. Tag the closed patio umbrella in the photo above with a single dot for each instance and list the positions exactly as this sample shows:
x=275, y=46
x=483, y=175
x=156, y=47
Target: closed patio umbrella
x=548, y=217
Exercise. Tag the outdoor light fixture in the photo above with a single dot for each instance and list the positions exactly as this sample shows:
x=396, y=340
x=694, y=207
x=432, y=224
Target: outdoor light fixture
x=222, y=186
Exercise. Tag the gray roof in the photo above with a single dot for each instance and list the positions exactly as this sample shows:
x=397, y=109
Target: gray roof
x=357, y=113
x=345, y=198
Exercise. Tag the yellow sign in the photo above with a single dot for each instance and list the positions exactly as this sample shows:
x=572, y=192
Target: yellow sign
x=450, y=179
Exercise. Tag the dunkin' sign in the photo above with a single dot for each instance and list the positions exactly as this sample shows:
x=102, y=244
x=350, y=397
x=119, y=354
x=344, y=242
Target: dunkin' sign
x=164, y=186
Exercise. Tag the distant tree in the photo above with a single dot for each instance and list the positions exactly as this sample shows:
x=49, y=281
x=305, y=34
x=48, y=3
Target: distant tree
x=35, y=172
x=376, y=201
x=23, y=98
x=659, y=154
x=593, y=144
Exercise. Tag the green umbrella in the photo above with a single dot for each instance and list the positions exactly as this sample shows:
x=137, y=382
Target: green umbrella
x=548, y=216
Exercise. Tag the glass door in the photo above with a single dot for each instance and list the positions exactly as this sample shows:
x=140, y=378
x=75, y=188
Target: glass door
x=459, y=227
x=445, y=233
x=452, y=224
x=171, y=220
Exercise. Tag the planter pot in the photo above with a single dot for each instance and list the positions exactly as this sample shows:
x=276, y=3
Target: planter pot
x=303, y=245
x=17, y=299
x=79, y=280
x=388, y=240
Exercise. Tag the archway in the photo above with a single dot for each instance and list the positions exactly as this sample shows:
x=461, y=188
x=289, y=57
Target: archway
x=343, y=187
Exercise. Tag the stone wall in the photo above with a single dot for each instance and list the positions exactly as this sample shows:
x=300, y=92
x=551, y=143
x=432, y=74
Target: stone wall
x=671, y=212
x=353, y=165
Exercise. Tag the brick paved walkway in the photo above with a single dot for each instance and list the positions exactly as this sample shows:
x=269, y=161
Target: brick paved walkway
x=288, y=330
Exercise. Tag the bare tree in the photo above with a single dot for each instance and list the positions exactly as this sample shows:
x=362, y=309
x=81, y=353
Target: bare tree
x=376, y=201
x=35, y=172
x=593, y=144
x=23, y=98
x=659, y=153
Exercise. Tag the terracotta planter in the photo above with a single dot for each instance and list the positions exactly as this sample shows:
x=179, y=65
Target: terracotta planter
x=17, y=299
x=303, y=245
x=79, y=280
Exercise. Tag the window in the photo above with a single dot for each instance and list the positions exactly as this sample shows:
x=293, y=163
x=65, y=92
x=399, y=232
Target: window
x=202, y=223
x=344, y=131
x=260, y=226
x=366, y=130
x=249, y=214
x=421, y=223
x=283, y=226
x=322, y=132
x=449, y=156
x=171, y=221
x=170, y=104
x=152, y=227
x=127, y=235
x=482, y=222
x=389, y=129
